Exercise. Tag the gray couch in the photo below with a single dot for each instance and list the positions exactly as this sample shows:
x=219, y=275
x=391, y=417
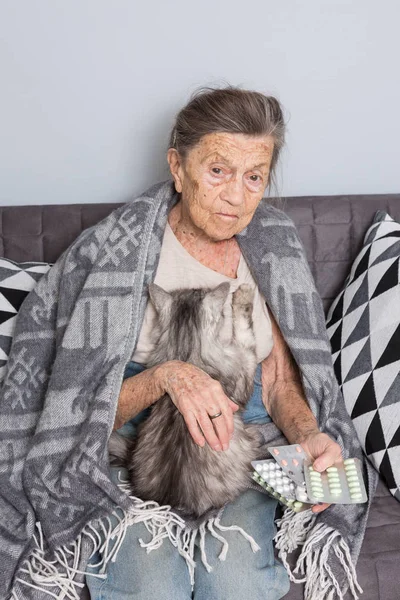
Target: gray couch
x=332, y=230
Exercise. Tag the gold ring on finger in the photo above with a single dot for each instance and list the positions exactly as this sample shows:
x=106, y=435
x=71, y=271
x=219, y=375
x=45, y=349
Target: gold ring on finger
x=215, y=416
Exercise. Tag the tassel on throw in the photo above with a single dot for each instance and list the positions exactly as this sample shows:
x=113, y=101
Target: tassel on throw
x=319, y=543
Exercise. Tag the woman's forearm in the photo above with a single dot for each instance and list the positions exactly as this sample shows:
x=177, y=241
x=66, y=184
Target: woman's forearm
x=290, y=412
x=283, y=393
x=137, y=393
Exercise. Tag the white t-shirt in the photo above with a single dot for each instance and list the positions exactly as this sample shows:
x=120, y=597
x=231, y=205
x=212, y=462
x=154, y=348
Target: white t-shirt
x=179, y=269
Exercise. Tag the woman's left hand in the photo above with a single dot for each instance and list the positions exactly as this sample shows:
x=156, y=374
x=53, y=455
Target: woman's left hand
x=325, y=452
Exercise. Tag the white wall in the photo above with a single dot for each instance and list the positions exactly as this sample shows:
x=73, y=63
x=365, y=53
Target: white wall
x=89, y=89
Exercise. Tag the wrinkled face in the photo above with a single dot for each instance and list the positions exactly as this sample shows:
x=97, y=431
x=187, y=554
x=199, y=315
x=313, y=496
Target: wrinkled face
x=222, y=181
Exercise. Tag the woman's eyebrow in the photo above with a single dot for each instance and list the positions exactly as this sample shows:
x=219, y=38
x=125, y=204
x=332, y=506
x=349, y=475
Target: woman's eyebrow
x=217, y=156
x=260, y=165
x=225, y=160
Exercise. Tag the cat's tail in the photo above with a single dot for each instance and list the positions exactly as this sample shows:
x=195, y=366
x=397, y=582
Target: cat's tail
x=119, y=449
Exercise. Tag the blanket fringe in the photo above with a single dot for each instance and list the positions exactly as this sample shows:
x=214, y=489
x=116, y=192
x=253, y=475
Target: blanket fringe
x=57, y=577
x=318, y=543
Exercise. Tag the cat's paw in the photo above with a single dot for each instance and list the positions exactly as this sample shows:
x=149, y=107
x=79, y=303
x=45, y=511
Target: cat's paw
x=242, y=299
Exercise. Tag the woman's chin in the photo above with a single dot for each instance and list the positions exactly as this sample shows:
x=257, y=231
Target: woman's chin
x=222, y=230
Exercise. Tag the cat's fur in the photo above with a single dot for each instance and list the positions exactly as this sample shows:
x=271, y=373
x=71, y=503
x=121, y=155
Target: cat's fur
x=164, y=462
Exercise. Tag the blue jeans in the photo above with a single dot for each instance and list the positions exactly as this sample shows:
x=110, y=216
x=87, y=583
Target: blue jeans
x=163, y=574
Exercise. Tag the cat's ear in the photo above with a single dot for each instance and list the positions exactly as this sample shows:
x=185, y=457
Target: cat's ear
x=214, y=301
x=161, y=299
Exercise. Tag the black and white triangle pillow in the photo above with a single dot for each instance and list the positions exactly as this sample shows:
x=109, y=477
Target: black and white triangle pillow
x=363, y=324
x=16, y=281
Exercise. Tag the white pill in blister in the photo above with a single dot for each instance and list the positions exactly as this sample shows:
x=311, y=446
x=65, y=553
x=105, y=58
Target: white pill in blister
x=285, y=479
x=286, y=488
x=331, y=481
x=311, y=468
x=349, y=461
x=279, y=489
x=259, y=468
x=355, y=496
x=332, y=469
x=351, y=478
x=317, y=481
x=351, y=469
x=303, y=497
x=354, y=485
x=335, y=486
x=315, y=475
x=318, y=495
x=316, y=484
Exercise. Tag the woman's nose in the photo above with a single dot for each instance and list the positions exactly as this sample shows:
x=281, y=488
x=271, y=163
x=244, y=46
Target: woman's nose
x=234, y=192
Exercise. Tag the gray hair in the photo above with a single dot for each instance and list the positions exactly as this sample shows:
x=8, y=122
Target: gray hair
x=229, y=110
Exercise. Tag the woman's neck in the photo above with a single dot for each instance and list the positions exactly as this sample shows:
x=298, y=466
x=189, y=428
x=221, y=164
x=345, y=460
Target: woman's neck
x=187, y=232
x=221, y=256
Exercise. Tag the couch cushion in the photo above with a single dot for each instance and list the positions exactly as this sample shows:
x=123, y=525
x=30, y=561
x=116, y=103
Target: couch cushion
x=364, y=328
x=16, y=281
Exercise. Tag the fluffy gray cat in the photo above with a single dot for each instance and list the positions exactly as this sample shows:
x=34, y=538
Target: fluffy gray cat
x=164, y=462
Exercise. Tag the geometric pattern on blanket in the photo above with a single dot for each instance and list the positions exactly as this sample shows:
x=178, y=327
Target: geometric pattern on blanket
x=16, y=281
x=363, y=324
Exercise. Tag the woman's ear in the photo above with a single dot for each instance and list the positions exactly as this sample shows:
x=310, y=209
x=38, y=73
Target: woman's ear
x=175, y=166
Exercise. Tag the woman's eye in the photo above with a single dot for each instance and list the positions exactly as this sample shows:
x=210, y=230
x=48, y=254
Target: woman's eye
x=257, y=177
x=215, y=169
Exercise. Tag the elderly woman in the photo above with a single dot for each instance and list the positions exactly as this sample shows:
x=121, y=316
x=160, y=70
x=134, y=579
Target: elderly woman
x=223, y=153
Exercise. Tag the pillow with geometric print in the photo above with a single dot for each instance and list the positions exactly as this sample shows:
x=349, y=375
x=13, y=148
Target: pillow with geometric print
x=363, y=324
x=16, y=281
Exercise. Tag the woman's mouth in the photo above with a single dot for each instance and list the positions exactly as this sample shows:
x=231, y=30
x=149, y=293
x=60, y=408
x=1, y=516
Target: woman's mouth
x=227, y=217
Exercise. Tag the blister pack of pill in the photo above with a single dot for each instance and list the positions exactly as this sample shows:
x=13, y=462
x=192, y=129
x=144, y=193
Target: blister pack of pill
x=291, y=460
x=275, y=481
x=290, y=478
x=340, y=484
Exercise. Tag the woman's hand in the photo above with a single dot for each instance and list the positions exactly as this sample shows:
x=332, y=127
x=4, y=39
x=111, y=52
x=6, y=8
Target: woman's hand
x=325, y=452
x=197, y=396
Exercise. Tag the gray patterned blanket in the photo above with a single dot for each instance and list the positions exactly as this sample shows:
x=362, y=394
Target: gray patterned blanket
x=74, y=335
